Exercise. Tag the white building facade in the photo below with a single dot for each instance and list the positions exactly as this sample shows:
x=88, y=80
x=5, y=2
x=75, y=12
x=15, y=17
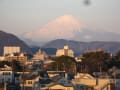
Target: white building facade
x=6, y=75
x=11, y=50
x=66, y=51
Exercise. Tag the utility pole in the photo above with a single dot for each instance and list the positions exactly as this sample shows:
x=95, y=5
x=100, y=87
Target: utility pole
x=63, y=66
x=115, y=78
x=100, y=69
x=5, y=83
x=81, y=67
x=23, y=88
x=57, y=66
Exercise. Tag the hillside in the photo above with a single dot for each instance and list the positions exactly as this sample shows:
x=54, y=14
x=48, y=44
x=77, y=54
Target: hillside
x=81, y=47
x=7, y=39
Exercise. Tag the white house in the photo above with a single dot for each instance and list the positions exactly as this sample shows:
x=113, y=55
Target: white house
x=6, y=74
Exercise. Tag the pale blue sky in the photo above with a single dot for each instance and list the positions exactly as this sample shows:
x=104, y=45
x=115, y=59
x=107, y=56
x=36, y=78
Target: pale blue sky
x=20, y=16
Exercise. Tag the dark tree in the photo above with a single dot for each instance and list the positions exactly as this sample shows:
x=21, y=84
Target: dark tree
x=65, y=63
x=96, y=61
x=16, y=65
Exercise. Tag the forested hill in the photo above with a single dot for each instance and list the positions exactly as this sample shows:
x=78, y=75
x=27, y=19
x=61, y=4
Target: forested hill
x=81, y=47
x=7, y=39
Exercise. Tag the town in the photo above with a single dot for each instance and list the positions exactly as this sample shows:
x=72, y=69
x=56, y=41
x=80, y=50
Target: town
x=63, y=71
x=59, y=44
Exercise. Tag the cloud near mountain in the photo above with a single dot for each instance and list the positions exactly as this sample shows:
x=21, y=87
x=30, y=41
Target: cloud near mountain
x=62, y=27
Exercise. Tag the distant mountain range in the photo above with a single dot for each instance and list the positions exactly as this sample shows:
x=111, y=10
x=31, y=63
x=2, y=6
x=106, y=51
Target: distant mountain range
x=7, y=39
x=67, y=28
x=81, y=47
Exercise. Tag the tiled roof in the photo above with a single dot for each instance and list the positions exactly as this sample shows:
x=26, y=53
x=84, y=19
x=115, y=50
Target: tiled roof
x=45, y=81
x=29, y=77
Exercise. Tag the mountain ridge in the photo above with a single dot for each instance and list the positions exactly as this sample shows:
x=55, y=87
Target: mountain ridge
x=8, y=39
x=81, y=47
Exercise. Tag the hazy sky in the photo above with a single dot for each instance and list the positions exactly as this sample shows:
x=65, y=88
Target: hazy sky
x=21, y=16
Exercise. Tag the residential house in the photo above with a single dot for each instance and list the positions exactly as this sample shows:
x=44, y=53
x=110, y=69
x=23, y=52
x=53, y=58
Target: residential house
x=6, y=74
x=28, y=80
x=87, y=82
x=57, y=86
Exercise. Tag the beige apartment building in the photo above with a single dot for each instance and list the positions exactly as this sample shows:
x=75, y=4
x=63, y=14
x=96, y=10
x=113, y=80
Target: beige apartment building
x=66, y=51
x=11, y=49
x=16, y=56
x=40, y=55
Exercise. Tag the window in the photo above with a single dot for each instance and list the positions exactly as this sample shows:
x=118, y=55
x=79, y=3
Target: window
x=29, y=82
x=6, y=73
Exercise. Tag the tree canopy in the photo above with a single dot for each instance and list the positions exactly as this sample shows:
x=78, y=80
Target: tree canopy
x=64, y=63
x=96, y=61
x=15, y=65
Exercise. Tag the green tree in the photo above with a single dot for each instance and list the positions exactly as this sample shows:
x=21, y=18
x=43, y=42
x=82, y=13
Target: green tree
x=64, y=63
x=95, y=61
x=115, y=61
x=16, y=65
x=117, y=57
x=2, y=63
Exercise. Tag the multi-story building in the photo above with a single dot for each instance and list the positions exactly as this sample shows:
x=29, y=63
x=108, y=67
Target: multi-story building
x=66, y=51
x=11, y=49
x=16, y=56
x=40, y=55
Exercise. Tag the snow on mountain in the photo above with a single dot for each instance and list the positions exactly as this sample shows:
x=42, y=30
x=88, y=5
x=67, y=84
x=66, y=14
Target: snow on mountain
x=63, y=27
